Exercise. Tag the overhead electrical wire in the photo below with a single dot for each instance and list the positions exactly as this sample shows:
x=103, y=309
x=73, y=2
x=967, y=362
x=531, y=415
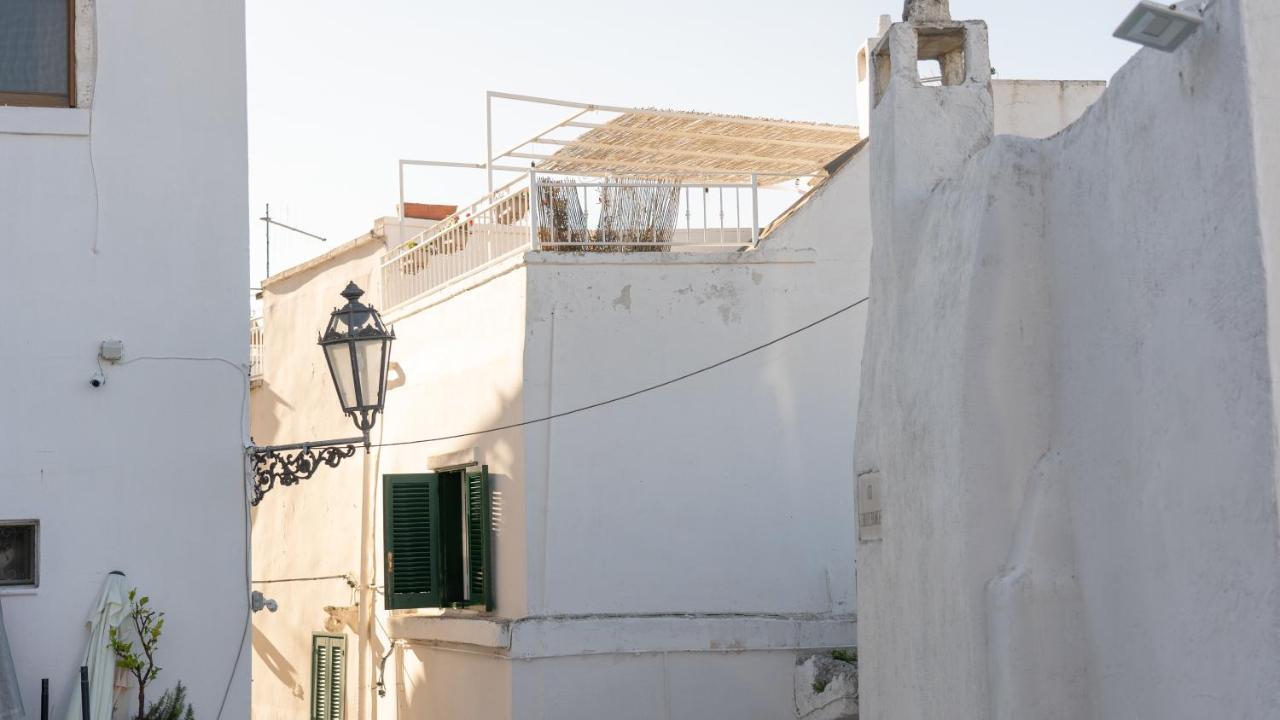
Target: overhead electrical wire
x=244, y=633
x=641, y=391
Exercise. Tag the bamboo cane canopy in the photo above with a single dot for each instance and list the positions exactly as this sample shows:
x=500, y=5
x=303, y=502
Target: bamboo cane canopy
x=702, y=147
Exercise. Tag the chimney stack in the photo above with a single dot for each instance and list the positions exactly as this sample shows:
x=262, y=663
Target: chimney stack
x=923, y=11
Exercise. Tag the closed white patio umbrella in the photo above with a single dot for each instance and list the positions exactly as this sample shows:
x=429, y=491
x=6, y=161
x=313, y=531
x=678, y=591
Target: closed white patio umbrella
x=10, y=698
x=108, y=612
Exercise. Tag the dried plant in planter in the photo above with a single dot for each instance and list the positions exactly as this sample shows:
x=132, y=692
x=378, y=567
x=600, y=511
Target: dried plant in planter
x=147, y=624
x=562, y=223
x=637, y=215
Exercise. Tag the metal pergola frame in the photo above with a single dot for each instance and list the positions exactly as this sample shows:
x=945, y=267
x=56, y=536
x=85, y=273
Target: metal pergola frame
x=788, y=137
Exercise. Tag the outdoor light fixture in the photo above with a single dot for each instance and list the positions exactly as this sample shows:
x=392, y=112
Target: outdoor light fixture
x=1162, y=27
x=357, y=346
x=357, y=349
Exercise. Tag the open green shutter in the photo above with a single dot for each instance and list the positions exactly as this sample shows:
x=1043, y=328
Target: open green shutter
x=328, y=660
x=479, y=521
x=411, y=541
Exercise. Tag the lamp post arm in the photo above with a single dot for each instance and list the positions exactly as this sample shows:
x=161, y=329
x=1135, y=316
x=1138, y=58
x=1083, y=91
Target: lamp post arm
x=359, y=440
x=289, y=464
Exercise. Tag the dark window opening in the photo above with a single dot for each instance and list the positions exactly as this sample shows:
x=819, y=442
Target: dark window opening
x=37, y=53
x=18, y=553
x=437, y=539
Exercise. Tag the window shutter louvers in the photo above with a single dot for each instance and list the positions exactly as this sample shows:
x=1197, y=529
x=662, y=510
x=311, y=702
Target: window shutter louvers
x=411, y=541
x=320, y=682
x=479, y=521
x=328, y=658
x=338, y=652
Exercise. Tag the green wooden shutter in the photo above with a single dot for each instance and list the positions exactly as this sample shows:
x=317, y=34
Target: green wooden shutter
x=328, y=676
x=479, y=521
x=411, y=541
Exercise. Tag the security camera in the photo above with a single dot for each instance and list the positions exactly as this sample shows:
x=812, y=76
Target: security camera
x=98, y=379
x=258, y=602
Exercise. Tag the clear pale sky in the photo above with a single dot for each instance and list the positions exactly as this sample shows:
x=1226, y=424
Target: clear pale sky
x=340, y=90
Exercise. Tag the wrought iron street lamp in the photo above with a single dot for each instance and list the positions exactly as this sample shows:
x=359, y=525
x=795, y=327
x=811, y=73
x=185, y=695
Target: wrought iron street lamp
x=357, y=349
x=357, y=346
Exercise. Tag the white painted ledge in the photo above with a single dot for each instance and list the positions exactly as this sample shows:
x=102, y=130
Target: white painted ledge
x=749, y=257
x=564, y=636
x=44, y=121
x=535, y=258
x=479, y=631
x=454, y=460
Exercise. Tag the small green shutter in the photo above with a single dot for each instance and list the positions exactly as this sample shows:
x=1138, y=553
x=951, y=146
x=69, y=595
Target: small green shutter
x=328, y=674
x=479, y=520
x=411, y=541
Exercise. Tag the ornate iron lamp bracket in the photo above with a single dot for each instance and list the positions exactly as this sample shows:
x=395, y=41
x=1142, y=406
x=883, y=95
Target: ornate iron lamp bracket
x=288, y=464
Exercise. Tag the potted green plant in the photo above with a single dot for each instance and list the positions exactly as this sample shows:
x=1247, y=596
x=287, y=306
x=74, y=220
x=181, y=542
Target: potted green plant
x=138, y=658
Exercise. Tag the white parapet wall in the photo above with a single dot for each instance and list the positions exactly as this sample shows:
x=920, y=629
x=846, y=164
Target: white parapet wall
x=1068, y=410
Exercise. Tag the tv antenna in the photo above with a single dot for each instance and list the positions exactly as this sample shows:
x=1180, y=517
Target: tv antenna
x=269, y=222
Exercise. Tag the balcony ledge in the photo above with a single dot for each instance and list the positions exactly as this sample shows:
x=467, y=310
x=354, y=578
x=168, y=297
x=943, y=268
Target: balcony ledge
x=573, y=635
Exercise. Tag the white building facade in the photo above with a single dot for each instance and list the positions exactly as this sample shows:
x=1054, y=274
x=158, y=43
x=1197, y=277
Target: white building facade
x=123, y=197
x=1068, y=424
x=667, y=555
x=671, y=554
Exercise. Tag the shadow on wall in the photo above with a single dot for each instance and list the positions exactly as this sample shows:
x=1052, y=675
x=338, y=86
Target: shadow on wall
x=277, y=663
x=267, y=407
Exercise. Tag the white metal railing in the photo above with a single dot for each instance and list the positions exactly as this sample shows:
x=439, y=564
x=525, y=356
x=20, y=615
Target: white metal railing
x=255, y=348
x=573, y=214
x=469, y=239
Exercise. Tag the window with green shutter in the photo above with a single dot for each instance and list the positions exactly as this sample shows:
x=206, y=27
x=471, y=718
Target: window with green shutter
x=437, y=537
x=411, y=541
x=328, y=675
x=478, y=531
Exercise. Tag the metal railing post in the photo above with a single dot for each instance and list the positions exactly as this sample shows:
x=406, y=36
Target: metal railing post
x=402, y=192
x=488, y=140
x=533, y=209
x=755, y=210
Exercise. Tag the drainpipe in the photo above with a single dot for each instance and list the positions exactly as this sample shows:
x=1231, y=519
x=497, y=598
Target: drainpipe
x=367, y=708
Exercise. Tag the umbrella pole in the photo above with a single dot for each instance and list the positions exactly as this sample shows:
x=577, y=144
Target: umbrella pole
x=44, y=699
x=84, y=692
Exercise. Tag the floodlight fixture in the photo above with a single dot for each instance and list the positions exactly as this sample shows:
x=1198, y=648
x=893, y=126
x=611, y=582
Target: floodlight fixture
x=1163, y=27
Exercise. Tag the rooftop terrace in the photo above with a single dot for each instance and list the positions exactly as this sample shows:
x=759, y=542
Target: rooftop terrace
x=616, y=179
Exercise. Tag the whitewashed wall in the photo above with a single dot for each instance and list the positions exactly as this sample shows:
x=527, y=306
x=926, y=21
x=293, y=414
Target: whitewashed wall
x=1068, y=397
x=700, y=531
x=313, y=529
x=456, y=365
x=647, y=523
x=728, y=495
x=126, y=220
x=1041, y=108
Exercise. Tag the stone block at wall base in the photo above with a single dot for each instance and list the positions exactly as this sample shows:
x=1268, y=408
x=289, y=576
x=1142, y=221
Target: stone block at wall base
x=826, y=688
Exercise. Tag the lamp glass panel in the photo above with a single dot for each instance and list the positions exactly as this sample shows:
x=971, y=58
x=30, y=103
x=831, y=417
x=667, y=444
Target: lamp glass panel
x=369, y=358
x=339, y=357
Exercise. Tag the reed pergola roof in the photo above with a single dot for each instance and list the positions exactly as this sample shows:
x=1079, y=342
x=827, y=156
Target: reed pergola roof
x=700, y=147
x=692, y=147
